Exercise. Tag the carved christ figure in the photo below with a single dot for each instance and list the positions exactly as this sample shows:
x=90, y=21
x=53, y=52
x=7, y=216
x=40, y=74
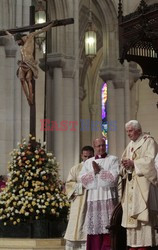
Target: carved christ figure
x=27, y=69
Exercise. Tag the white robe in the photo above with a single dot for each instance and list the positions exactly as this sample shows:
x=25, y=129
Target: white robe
x=75, y=236
x=102, y=193
x=139, y=202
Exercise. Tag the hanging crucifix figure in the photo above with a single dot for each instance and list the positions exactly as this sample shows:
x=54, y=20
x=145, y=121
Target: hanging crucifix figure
x=27, y=69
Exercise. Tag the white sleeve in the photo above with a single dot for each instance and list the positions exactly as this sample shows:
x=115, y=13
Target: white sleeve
x=78, y=189
x=138, y=172
x=109, y=178
x=87, y=176
x=156, y=163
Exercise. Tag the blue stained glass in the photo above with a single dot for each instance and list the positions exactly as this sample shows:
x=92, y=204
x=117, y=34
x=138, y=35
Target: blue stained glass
x=104, y=113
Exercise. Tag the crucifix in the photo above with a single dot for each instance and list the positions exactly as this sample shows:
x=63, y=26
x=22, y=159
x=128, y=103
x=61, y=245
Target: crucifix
x=27, y=71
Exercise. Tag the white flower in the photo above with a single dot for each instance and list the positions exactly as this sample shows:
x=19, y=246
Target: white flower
x=43, y=172
x=49, y=154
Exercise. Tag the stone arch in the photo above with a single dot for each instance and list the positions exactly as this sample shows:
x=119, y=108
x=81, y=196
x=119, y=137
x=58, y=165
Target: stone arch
x=105, y=18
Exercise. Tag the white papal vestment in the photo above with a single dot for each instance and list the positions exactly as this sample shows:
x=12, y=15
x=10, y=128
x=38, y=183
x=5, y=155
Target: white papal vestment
x=140, y=198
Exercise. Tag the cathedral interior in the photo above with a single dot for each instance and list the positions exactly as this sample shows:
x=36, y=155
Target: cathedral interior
x=84, y=91
x=79, y=95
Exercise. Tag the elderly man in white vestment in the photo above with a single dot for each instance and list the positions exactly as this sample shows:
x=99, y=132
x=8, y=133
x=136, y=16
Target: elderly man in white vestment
x=139, y=201
x=75, y=236
x=99, y=176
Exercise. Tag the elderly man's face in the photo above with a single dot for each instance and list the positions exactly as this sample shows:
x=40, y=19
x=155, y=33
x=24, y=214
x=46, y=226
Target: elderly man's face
x=133, y=133
x=99, y=146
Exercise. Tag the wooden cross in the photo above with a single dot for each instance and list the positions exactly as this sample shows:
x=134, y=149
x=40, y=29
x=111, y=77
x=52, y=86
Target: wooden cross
x=31, y=28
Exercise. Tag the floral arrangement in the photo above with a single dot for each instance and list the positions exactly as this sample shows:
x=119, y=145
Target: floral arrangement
x=34, y=190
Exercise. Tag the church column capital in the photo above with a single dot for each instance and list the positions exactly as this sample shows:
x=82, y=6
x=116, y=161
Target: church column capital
x=57, y=60
x=107, y=73
x=118, y=75
x=9, y=45
x=70, y=67
x=114, y=74
x=54, y=60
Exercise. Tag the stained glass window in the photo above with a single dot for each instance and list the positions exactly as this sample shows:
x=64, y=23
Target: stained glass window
x=104, y=113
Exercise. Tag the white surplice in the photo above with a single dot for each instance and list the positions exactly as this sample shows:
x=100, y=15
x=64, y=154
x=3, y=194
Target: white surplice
x=102, y=193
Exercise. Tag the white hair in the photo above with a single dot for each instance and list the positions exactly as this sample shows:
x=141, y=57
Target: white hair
x=134, y=124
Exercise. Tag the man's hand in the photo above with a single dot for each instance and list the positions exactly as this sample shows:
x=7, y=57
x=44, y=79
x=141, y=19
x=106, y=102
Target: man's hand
x=96, y=167
x=128, y=164
x=8, y=33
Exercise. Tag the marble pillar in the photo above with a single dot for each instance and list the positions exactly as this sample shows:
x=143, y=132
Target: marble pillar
x=62, y=112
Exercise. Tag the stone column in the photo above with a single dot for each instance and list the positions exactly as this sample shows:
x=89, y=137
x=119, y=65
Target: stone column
x=58, y=140
x=71, y=135
x=119, y=102
x=120, y=116
x=63, y=92
x=55, y=106
x=3, y=116
x=62, y=111
x=132, y=74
